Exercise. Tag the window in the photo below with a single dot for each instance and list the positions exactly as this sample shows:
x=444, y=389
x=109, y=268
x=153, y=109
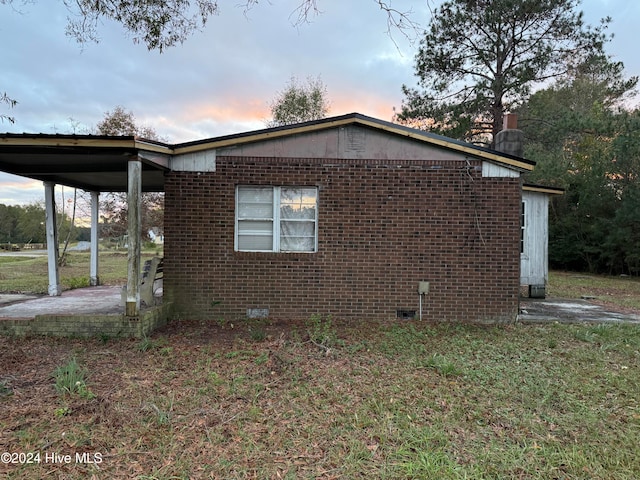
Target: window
x=276, y=219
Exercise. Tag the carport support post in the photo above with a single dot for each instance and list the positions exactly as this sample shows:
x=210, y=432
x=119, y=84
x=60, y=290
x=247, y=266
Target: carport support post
x=95, y=236
x=52, y=238
x=132, y=307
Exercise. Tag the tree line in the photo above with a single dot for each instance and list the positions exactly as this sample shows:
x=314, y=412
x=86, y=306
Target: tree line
x=25, y=224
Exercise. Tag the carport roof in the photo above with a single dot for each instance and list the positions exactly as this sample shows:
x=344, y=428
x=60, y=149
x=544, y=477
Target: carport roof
x=90, y=162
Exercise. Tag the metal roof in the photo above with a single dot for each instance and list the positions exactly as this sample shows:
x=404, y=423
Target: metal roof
x=99, y=163
x=89, y=162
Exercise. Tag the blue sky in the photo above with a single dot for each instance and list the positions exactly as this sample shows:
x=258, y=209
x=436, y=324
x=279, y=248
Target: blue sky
x=221, y=80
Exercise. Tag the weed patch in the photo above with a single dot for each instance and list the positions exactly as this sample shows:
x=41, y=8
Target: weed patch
x=147, y=343
x=70, y=379
x=322, y=332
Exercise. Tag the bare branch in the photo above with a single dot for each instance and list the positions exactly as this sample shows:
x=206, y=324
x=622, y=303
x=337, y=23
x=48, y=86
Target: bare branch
x=12, y=103
x=400, y=21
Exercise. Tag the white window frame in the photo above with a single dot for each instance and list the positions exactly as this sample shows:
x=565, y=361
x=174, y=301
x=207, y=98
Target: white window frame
x=276, y=219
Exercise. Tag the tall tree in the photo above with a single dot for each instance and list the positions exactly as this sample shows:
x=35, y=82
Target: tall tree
x=22, y=224
x=480, y=58
x=582, y=104
x=299, y=103
x=8, y=223
x=119, y=121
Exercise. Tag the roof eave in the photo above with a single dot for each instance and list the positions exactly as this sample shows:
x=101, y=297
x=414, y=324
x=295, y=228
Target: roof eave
x=529, y=187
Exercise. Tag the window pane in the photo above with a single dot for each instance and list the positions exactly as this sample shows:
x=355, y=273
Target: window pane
x=255, y=210
x=298, y=203
x=297, y=244
x=249, y=227
x=297, y=236
x=255, y=194
x=255, y=202
x=255, y=235
x=255, y=242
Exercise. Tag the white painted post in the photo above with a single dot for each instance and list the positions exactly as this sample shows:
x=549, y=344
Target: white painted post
x=95, y=236
x=132, y=307
x=52, y=239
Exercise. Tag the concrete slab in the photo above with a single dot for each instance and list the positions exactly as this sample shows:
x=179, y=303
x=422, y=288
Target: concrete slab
x=6, y=298
x=81, y=301
x=570, y=311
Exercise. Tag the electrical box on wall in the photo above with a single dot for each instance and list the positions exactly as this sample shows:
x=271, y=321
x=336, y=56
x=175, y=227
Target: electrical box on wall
x=423, y=288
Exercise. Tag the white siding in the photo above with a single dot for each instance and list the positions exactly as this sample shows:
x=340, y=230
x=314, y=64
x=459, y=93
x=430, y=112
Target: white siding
x=492, y=170
x=533, y=260
x=195, y=162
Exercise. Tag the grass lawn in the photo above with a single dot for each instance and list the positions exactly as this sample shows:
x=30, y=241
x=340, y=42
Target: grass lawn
x=320, y=400
x=616, y=291
x=24, y=274
x=316, y=399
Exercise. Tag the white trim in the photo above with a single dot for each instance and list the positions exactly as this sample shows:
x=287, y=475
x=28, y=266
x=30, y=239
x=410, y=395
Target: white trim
x=276, y=219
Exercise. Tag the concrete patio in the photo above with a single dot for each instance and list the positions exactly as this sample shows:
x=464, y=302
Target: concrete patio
x=80, y=301
x=81, y=312
x=570, y=311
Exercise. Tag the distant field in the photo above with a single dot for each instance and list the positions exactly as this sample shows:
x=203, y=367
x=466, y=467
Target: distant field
x=29, y=274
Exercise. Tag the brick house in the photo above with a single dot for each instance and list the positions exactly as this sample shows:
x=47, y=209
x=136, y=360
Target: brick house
x=347, y=216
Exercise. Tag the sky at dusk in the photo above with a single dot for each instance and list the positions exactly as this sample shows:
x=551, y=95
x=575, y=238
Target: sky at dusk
x=221, y=80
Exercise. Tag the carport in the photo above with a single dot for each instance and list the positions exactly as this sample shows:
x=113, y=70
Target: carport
x=95, y=164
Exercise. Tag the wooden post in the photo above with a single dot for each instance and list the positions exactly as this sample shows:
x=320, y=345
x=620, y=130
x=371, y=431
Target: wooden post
x=132, y=307
x=52, y=239
x=95, y=236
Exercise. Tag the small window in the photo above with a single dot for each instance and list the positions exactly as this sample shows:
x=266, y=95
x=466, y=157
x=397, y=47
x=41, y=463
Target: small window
x=276, y=219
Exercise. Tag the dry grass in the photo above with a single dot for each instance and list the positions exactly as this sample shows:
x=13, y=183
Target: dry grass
x=384, y=400
x=615, y=291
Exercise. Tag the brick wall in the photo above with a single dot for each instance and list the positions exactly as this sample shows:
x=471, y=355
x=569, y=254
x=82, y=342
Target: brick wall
x=88, y=325
x=382, y=227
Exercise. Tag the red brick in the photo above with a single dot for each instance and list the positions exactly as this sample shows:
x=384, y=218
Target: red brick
x=382, y=227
